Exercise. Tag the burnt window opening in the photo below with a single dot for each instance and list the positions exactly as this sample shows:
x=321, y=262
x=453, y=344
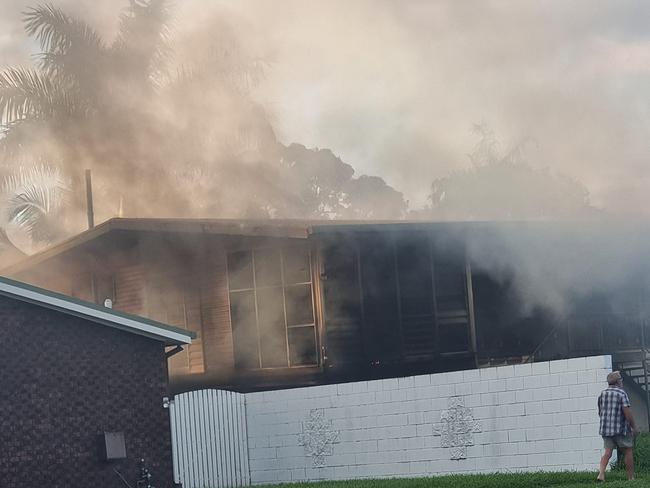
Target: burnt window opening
x=380, y=300
x=342, y=302
x=272, y=308
x=395, y=297
x=452, y=306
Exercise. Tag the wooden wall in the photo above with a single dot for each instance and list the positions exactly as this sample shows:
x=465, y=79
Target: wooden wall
x=215, y=312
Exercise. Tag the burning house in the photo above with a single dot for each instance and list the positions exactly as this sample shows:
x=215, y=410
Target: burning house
x=289, y=303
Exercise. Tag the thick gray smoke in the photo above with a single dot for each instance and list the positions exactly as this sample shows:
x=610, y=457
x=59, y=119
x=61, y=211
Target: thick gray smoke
x=392, y=88
x=561, y=265
x=163, y=104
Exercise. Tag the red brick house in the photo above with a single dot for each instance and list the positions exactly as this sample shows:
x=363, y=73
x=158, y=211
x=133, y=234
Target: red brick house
x=70, y=372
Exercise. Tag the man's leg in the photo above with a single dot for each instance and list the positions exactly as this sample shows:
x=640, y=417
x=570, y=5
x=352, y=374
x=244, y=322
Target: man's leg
x=603, y=463
x=629, y=463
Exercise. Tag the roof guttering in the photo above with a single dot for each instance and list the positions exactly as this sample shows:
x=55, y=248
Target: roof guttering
x=101, y=315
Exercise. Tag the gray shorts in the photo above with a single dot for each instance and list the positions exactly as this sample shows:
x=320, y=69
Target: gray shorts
x=619, y=441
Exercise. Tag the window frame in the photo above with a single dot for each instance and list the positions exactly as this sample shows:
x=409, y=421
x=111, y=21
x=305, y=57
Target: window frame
x=283, y=285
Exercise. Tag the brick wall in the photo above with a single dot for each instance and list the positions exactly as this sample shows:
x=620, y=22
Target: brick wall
x=64, y=381
x=538, y=416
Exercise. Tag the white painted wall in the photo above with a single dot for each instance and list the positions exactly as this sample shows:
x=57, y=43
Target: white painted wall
x=531, y=417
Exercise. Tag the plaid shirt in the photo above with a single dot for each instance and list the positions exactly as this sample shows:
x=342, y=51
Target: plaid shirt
x=610, y=408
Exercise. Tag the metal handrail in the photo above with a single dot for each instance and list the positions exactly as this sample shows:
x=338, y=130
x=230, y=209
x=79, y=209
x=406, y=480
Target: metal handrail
x=541, y=344
x=644, y=363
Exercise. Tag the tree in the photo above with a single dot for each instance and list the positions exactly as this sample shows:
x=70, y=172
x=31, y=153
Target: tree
x=167, y=124
x=321, y=186
x=115, y=106
x=502, y=186
x=33, y=200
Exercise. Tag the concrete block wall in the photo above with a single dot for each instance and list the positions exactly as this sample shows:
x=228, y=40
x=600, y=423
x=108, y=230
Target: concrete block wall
x=529, y=417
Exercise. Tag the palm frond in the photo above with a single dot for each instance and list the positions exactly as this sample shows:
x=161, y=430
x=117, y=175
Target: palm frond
x=34, y=198
x=21, y=142
x=57, y=32
x=7, y=247
x=25, y=93
x=71, y=50
x=143, y=40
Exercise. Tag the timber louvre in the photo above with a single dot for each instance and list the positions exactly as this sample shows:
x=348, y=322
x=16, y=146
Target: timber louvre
x=209, y=440
x=410, y=301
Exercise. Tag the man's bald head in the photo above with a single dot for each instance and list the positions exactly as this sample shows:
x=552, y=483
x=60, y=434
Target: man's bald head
x=614, y=378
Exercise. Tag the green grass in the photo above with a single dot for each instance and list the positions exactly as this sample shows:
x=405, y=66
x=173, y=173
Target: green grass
x=528, y=480
x=615, y=479
x=642, y=453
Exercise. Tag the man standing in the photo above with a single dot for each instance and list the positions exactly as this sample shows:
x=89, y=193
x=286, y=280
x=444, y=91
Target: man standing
x=617, y=424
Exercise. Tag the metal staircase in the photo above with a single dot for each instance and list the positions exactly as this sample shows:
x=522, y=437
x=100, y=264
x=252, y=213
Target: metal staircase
x=634, y=365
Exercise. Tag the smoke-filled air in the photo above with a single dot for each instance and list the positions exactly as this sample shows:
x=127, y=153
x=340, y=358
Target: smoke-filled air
x=363, y=109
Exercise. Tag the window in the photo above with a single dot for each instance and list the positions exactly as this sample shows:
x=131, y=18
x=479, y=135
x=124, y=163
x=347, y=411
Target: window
x=380, y=298
x=390, y=315
x=451, y=299
x=415, y=280
x=342, y=301
x=271, y=308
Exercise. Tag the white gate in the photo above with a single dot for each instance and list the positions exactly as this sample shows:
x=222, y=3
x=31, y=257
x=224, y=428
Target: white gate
x=209, y=441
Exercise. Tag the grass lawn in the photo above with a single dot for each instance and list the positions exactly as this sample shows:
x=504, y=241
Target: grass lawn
x=533, y=480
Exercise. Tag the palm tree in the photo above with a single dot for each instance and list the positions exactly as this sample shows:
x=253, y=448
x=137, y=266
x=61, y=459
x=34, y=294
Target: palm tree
x=32, y=201
x=163, y=135
x=60, y=109
x=78, y=76
x=120, y=109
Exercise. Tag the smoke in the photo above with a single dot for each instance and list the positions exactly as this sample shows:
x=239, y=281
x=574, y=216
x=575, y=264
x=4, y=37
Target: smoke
x=567, y=268
x=164, y=104
x=392, y=88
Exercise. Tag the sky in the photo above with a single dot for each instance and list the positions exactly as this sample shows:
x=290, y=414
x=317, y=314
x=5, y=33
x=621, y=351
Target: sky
x=394, y=87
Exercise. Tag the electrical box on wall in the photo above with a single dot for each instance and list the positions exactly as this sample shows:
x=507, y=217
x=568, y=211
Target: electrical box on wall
x=112, y=446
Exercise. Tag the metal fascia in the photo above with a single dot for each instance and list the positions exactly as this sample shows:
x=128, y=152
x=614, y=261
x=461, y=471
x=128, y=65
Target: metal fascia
x=106, y=318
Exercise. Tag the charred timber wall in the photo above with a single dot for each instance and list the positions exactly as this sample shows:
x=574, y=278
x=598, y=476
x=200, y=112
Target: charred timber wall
x=527, y=417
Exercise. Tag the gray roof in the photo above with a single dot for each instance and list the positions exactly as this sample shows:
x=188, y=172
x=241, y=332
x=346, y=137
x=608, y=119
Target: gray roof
x=285, y=229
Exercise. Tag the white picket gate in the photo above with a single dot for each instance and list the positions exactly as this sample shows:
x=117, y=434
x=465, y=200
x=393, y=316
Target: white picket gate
x=209, y=440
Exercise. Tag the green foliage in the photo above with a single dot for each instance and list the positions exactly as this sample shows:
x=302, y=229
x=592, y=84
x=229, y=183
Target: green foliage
x=501, y=185
x=642, y=453
x=641, y=456
x=33, y=199
x=529, y=480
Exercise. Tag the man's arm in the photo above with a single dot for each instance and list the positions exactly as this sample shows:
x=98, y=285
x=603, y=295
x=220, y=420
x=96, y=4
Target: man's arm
x=599, y=398
x=627, y=411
